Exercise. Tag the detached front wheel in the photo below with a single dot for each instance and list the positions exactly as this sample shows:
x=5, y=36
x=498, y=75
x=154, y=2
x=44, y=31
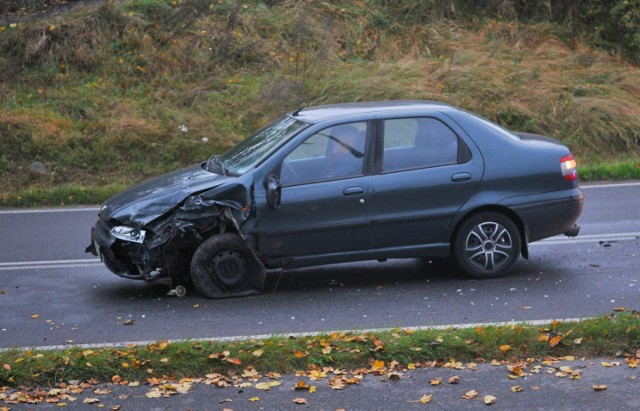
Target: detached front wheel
x=223, y=266
x=487, y=245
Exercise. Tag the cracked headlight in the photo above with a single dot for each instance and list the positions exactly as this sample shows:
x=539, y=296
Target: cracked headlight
x=128, y=234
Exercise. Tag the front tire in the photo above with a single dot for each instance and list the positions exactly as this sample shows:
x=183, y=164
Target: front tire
x=223, y=266
x=487, y=245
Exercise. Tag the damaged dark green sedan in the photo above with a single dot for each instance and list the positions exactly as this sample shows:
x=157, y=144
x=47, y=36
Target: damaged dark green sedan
x=340, y=183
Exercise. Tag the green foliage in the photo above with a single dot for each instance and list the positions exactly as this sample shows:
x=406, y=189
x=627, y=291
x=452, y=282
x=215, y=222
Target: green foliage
x=617, y=170
x=614, y=25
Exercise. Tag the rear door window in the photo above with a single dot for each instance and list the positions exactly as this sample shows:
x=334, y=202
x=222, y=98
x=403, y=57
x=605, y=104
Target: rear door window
x=417, y=143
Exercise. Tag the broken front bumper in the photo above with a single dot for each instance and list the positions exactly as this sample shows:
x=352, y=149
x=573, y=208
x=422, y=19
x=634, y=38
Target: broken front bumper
x=118, y=256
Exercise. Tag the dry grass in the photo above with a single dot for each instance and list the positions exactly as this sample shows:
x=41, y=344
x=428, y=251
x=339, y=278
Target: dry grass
x=102, y=94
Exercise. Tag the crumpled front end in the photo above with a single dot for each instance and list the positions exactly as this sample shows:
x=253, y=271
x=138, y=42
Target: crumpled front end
x=167, y=243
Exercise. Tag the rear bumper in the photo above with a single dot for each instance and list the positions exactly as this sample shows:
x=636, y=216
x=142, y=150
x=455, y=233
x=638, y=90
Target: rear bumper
x=552, y=217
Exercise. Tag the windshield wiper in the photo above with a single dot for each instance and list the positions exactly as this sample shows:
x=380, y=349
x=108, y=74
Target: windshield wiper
x=215, y=161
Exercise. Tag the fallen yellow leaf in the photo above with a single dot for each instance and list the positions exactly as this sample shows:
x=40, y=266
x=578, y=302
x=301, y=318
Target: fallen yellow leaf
x=299, y=400
x=505, y=348
x=154, y=393
x=555, y=340
x=469, y=395
x=254, y=399
x=516, y=388
x=35, y=316
x=597, y=387
x=265, y=386
x=490, y=399
x=378, y=365
x=426, y=399
x=301, y=385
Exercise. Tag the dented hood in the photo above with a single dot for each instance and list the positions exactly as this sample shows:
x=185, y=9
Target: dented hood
x=146, y=201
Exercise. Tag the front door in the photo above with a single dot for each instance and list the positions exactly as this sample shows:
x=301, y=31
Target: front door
x=325, y=205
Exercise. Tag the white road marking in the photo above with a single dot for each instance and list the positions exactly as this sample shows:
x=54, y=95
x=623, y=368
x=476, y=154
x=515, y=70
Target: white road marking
x=31, y=265
x=296, y=335
x=588, y=238
x=49, y=210
x=612, y=185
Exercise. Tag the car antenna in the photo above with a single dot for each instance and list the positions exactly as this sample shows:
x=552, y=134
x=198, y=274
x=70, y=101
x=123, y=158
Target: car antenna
x=295, y=113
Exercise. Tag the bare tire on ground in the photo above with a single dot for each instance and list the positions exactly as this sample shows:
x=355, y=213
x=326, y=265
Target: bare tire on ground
x=223, y=266
x=487, y=244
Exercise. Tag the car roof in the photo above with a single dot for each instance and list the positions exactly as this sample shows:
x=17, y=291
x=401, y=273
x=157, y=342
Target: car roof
x=320, y=113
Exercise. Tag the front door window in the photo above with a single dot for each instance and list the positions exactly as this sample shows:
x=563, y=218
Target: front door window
x=335, y=152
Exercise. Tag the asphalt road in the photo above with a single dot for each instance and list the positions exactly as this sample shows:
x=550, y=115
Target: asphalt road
x=44, y=272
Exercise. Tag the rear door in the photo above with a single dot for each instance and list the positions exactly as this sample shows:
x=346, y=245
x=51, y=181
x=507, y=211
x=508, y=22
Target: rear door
x=426, y=173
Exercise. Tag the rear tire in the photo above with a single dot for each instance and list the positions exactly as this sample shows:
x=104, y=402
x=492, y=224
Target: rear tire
x=223, y=266
x=487, y=244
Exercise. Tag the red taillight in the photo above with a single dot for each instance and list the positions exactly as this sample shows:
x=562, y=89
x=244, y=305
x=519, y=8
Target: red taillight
x=569, y=167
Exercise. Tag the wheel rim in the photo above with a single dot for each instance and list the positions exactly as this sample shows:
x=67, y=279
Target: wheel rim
x=488, y=246
x=228, y=267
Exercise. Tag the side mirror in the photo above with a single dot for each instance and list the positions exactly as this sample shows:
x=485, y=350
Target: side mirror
x=274, y=192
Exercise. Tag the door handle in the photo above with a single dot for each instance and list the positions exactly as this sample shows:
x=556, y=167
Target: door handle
x=353, y=191
x=460, y=177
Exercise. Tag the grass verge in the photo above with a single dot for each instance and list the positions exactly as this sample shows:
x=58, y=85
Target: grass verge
x=615, y=334
x=627, y=169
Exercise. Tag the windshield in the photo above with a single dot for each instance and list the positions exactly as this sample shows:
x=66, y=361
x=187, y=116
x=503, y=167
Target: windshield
x=251, y=151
